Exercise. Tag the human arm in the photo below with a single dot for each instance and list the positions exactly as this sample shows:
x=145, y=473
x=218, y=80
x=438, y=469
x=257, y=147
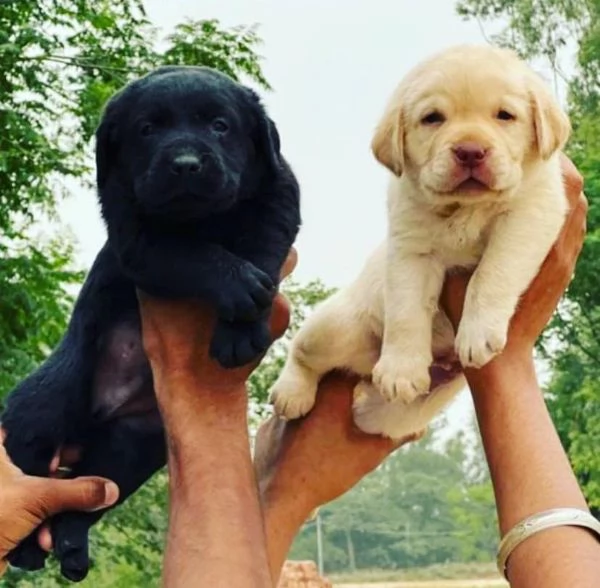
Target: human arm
x=303, y=464
x=216, y=534
x=529, y=469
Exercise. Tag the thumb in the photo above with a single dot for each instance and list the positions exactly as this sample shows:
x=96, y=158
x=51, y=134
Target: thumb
x=85, y=493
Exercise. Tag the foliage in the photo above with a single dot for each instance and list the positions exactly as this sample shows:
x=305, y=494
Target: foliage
x=33, y=304
x=424, y=505
x=566, y=33
x=434, y=573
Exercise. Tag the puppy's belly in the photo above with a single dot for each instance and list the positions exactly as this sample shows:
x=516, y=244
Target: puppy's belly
x=372, y=316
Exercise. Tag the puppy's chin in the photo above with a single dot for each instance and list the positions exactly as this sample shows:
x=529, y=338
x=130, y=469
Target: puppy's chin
x=185, y=208
x=182, y=204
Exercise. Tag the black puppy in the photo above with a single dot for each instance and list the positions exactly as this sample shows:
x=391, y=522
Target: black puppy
x=198, y=202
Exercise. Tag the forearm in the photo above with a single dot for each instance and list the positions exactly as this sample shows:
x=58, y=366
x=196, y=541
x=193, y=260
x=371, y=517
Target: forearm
x=531, y=473
x=284, y=515
x=216, y=535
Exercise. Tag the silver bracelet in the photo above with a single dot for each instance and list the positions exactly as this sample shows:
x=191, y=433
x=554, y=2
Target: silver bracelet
x=557, y=517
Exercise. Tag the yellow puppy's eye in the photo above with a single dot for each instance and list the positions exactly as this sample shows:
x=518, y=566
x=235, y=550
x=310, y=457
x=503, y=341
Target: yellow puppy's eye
x=433, y=118
x=505, y=115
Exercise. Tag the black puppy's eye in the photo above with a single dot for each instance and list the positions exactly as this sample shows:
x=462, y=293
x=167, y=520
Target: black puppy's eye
x=505, y=115
x=433, y=118
x=146, y=129
x=220, y=125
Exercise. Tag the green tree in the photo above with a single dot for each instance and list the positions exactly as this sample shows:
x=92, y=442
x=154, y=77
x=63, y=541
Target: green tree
x=425, y=504
x=565, y=34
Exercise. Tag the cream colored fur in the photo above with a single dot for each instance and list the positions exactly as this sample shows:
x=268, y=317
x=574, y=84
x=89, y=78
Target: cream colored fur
x=386, y=325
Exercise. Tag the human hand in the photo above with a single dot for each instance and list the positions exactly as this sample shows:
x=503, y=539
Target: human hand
x=187, y=380
x=319, y=457
x=539, y=302
x=27, y=501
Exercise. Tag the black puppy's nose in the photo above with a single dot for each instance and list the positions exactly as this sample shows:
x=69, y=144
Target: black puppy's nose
x=186, y=165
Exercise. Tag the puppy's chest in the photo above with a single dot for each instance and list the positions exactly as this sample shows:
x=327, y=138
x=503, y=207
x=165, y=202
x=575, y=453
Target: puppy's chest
x=229, y=230
x=460, y=238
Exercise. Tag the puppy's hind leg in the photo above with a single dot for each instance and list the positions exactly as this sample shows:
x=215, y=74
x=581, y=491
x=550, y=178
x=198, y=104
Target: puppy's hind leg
x=333, y=337
x=396, y=420
x=126, y=453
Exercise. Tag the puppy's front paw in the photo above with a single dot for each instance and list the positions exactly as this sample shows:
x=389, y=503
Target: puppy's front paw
x=402, y=378
x=238, y=343
x=479, y=341
x=246, y=294
x=293, y=394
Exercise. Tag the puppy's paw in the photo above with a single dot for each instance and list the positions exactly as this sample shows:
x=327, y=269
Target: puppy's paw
x=375, y=416
x=479, y=341
x=402, y=378
x=293, y=394
x=71, y=548
x=28, y=555
x=246, y=294
x=237, y=343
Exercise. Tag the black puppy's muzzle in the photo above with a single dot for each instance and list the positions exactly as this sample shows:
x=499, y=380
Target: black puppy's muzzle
x=186, y=180
x=189, y=165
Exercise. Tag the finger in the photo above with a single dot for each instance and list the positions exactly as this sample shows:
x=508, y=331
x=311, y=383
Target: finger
x=86, y=494
x=280, y=316
x=572, y=179
x=45, y=538
x=55, y=463
x=290, y=264
x=70, y=455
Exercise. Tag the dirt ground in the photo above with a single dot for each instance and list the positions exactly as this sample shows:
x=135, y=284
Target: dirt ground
x=432, y=584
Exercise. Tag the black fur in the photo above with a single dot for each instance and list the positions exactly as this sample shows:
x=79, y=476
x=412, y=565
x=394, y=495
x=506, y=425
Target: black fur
x=198, y=202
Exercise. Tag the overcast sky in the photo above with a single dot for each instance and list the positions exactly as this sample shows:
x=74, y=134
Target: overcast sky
x=332, y=65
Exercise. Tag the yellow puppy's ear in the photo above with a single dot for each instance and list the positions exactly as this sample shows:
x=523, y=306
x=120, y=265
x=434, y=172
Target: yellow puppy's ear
x=552, y=125
x=388, y=142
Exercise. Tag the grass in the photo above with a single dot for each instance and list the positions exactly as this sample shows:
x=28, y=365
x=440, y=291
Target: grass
x=453, y=571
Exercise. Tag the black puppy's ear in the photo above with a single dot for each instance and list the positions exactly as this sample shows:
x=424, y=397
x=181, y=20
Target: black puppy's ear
x=266, y=136
x=105, y=147
x=106, y=137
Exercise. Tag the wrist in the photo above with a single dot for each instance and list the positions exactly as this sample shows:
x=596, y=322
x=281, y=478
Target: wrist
x=190, y=406
x=515, y=363
x=197, y=443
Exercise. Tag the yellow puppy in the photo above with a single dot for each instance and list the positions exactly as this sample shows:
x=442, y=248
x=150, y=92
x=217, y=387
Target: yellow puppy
x=472, y=137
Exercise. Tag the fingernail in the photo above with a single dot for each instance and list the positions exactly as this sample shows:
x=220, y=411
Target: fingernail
x=111, y=493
